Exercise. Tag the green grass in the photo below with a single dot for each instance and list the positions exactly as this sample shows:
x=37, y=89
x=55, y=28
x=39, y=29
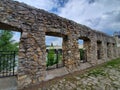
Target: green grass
x=96, y=72
x=100, y=70
x=113, y=64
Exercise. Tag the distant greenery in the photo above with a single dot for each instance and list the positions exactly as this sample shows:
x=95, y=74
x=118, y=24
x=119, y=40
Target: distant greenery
x=81, y=54
x=52, y=57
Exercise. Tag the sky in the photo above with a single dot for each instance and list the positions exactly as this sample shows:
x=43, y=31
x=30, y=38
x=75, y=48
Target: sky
x=101, y=15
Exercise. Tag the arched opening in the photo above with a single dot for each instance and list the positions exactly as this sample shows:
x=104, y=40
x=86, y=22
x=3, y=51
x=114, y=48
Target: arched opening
x=81, y=50
x=9, y=47
x=99, y=50
x=108, y=50
x=54, y=57
x=83, y=44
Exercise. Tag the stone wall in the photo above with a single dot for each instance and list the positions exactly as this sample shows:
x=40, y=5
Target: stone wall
x=34, y=24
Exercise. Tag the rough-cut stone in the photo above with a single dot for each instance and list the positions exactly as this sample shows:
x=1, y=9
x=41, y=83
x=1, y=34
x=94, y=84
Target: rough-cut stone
x=34, y=24
x=110, y=81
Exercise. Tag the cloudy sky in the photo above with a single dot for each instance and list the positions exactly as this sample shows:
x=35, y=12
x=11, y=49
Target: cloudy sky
x=102, y=15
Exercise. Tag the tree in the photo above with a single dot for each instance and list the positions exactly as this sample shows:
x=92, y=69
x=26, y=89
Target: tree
x=6, y=41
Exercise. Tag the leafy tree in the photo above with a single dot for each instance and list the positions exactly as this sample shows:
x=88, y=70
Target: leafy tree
x=53, y=57
x=6, y=42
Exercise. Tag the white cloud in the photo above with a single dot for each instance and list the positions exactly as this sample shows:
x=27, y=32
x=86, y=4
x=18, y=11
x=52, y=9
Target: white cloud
x=42, y=4
x=93, y=14
x=58, y=42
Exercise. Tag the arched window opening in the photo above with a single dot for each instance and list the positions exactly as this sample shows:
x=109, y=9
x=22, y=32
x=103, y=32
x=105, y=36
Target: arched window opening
x=99, y=50
x=54, y=52
x=9, y=47
x=82, y=50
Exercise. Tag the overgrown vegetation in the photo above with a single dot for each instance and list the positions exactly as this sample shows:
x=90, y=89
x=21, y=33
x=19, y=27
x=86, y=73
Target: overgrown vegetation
x=52, y=57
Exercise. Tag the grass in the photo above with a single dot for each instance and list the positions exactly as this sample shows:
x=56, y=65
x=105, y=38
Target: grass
x=113, y=64
x=100, y=70
x=96, y=72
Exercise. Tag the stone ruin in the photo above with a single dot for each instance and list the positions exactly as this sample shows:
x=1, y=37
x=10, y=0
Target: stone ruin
x=34, y=24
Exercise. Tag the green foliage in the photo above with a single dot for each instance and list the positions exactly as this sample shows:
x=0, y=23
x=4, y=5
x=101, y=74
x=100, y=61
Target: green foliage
x=100, y=70
x=96, y=72
x=113, y=64
x=52, y=57
x=6, y=42
x=81, y=54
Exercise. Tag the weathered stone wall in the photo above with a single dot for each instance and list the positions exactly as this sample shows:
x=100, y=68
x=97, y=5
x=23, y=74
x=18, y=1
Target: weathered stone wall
x=34, y=24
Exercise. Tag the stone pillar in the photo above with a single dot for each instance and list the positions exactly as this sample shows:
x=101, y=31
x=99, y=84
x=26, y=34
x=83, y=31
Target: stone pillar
x=104, y=51
x=114, y=51
x=71, y=55
x=109, y=51
x=91, y=48
x=87, y=47
x=32, y=63
x=118, y=52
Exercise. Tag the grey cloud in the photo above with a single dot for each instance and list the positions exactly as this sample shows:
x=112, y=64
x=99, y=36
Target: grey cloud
x=91, y=1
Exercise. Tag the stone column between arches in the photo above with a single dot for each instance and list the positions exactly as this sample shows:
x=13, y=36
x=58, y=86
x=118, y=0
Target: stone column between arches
x=109, y=51
x=114, y=51
x=117, y=49
x=104, y=51
x=91, y=49
x=118, y=52
x=71, y=55
x=32, y=64
x=111, y=47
